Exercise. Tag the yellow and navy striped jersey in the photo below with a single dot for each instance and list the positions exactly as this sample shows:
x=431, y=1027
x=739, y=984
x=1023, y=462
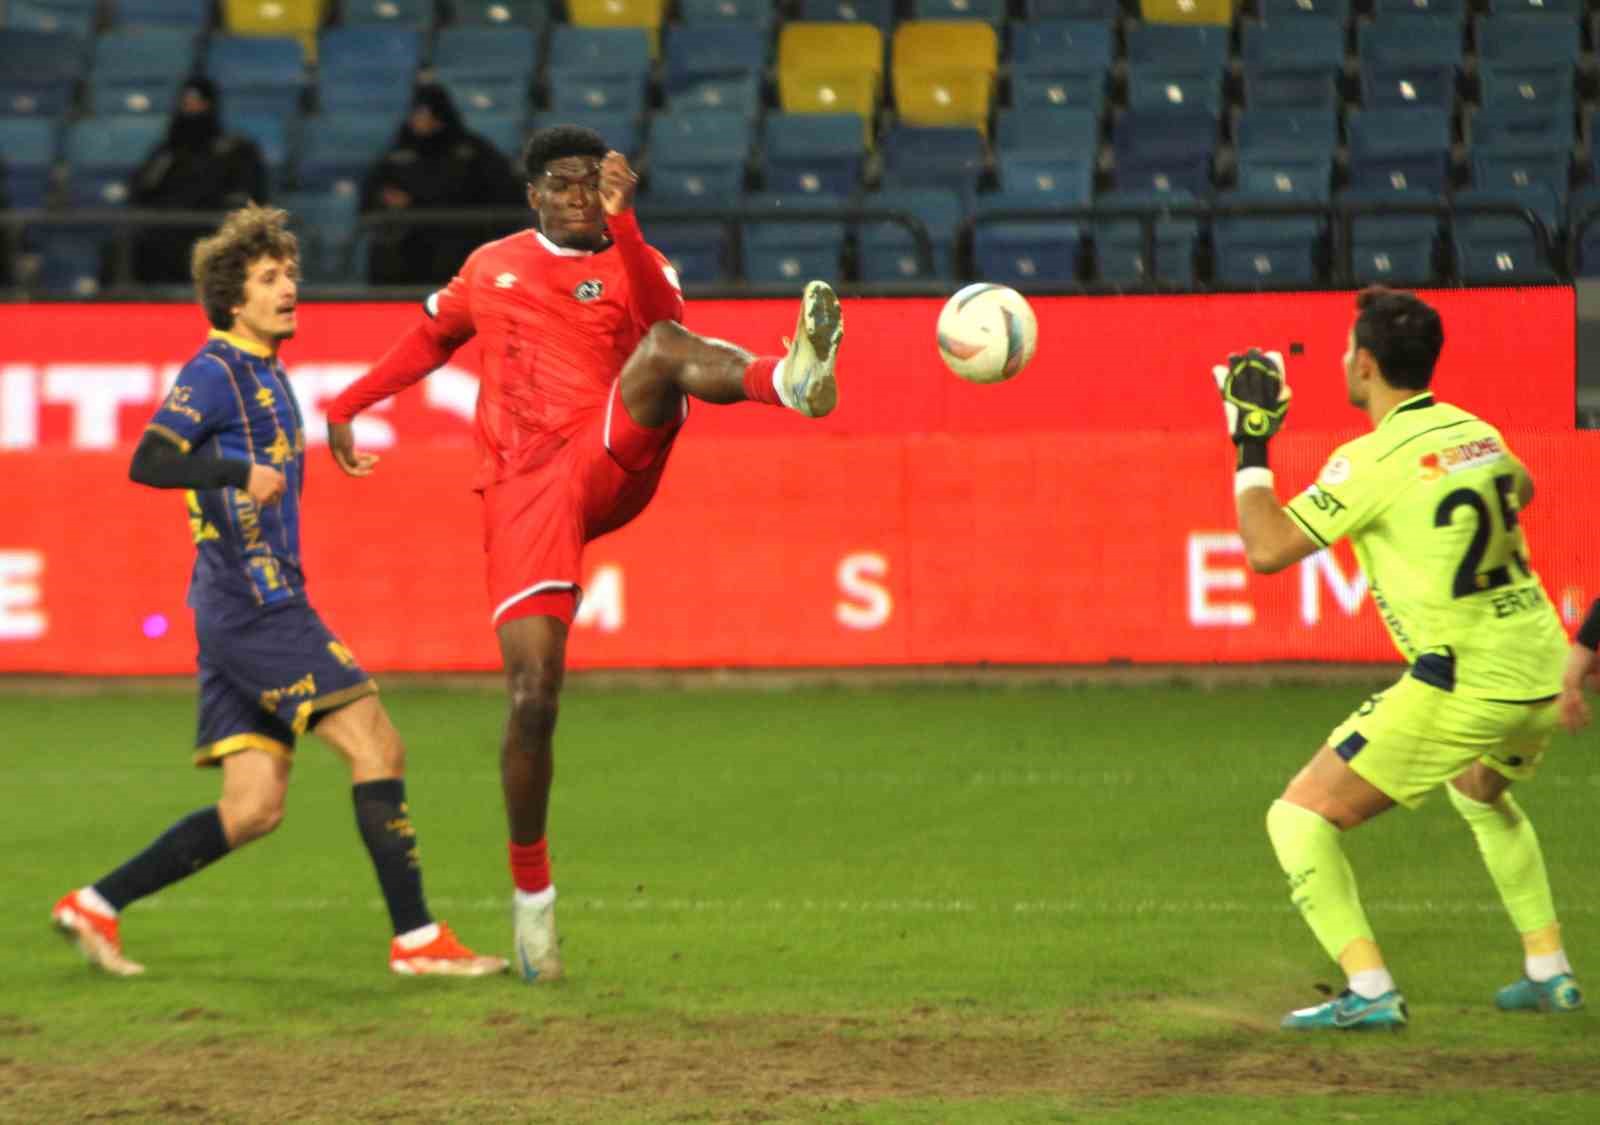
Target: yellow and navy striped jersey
x=1429, y=501
x=233, y=401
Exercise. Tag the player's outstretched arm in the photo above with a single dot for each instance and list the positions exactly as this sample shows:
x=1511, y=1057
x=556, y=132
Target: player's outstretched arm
x=653, y=287
x=423, y=349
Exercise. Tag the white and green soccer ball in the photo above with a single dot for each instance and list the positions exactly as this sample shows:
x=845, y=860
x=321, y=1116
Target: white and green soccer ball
x=987, y=333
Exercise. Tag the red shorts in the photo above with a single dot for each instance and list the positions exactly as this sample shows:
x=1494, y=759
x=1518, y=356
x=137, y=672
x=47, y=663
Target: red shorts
x=535, y=525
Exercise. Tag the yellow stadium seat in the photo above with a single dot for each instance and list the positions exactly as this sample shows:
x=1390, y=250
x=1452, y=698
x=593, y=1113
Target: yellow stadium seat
x=944, y=72
x=1187, y=11
x=299, y=18
x=648, y=14
x=831, y=68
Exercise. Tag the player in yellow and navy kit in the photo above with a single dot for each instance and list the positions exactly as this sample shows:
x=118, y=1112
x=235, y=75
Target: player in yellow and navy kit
x=230, y=434
x=1429, y=500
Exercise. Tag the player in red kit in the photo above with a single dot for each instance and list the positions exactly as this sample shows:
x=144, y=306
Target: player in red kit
x=586, y=378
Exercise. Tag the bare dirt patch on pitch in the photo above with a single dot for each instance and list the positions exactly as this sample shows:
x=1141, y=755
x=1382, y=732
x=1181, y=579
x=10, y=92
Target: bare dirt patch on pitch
x=748, y=1069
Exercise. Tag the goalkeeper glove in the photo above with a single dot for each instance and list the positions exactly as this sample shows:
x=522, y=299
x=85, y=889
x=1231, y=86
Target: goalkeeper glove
x=1255, y=398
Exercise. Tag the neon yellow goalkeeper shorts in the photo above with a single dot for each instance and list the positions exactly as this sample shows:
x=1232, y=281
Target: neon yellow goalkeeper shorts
x=1411, y=737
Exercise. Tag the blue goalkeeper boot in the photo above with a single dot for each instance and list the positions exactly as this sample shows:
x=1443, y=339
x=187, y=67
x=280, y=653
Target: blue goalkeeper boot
x=1350, y=1012
x=1558, y=994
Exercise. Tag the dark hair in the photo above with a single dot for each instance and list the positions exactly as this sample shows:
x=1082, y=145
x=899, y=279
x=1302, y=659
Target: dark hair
x=556, y=142
x=220, y=263
x=1403, y=334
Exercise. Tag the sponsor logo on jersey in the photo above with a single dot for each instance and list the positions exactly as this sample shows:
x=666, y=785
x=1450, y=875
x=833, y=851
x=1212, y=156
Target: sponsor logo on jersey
x=505, y=281
x=1335, y=472
x=589, y=290
x=1468, y=455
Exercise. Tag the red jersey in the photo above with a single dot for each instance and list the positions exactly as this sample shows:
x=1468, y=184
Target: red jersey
x=555, y=325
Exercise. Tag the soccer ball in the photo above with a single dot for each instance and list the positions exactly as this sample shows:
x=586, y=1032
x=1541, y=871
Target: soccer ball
x=987, y=333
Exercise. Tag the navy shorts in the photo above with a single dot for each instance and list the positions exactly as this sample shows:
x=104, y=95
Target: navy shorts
x=267, y=678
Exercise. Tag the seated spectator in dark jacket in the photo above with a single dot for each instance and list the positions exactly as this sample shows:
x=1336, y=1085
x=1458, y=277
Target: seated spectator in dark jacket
x=197, y=168
x=434, y=162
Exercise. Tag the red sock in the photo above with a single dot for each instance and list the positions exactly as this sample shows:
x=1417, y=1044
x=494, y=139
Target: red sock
x=758, y=380
x=530, y=865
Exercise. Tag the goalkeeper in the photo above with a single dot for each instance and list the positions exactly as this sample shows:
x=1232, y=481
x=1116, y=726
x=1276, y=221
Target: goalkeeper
x=1429, y=499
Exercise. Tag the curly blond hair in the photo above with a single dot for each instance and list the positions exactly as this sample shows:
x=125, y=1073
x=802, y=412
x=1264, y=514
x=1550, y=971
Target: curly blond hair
x=219, y=264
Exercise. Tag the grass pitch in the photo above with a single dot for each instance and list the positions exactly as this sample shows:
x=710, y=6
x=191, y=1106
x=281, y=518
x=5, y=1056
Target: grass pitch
x=933, y=904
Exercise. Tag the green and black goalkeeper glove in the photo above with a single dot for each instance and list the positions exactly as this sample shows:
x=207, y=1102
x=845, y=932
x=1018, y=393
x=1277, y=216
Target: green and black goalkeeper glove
x=1255, y=398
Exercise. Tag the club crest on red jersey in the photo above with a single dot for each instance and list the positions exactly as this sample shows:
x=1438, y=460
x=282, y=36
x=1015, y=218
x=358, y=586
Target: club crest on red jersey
x=589, y=290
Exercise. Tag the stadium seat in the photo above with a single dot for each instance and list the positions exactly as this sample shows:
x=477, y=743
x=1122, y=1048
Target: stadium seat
x=878, y=12
x=830, y=68
x=1086, y=46
x=340, y=148
x=1567, y=9
x=29, y=145
x=619, y=93
x=1119, y=240
x=1287, y=132
x=751, y=13
x=1218, y=13
x=405, y=13
x=75, y=19
x=577, y=53
x=944, y=72
x=299, y=18
x=1399, y=149
x=1390, y=248
x=1510, y=86
x=1537, y=129
x=698, y=53
x=1293, y=177
x=1536, y=40
x=366, y=68
x=1025, y=251
x=887, y=250
x=698, y=155
x=139, y=71
x=70, y=255
x=1417, y=38
x=478, y=52
x=1306, y=43
x=699, y=251
x=258, y=74
x=742, y=94
x=533, y=14
x=1496, y=249
x=992, y=12
x=1043, y=85
x=645, y=15
x=488, y=95
x=326, y=224
x=790, y=250
x=1338, y=10
x=1073, y=133
x=1392, y=85
x=505, y=129
x=812, y=153
x=1164, y=150
x=1072, y=9
x=192, y=14
x=1453, y=9
x=102, y=152
x=619, y=130
x=274, y=134
x=1153, y=87
x=1265, y=252
x=1065, y=178
x=1181, y=48
x=1518, y=171
x=1291, y=89
x=45, y=86
x=943, y=158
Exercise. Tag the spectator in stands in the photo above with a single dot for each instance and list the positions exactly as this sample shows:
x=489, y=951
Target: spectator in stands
x=434, y=162
x=197, y=168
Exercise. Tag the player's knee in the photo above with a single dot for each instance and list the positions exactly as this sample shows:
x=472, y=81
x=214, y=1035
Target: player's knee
x=534, y=690
x=250, y=816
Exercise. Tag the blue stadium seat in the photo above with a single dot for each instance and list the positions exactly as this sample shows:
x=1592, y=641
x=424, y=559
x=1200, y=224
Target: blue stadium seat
x=1287, y=132
x=698, y=251
x=1072, y=133
x=933, y=157
x=701, y=52
x=593, y=51
x=1291, y=89
x=615, y=93
x=740, y=94
x=699, y=155
x=340, y=148
x=619, y=130
x=1165, y=150
x=790, y=250
x=1306, y=43
x=45, y=86
x=1279, y=9
x=70, y=256
x=1157, y=87
x=29, y=145
x=1399, y=149
x=404, y=13
x=101, y=153
x=1532, y=39
x=274, y=134
x=478, y=52
x=487, y=95
x=192, y=14
x=1062, y=178
x=812, y=153
x=1509, y=86
x=1494, y=249
x=502, y=13
x=504, y=129
x=1390, y=248
x=1568, y=9
x=1398, y=85
x=1119, y=241
x=258, y=74
x=1192, y=47
x=757, y=13
x=887, y=250
x=1543, y=129
x=1518, y=171
x=1046, y=84
x=1087, y=46
x=1265, y=252
x=76, y=20
x=1418, y=38
x=878, y=12
x=326, y=223
x=1452, y=9
x=1293, y=177
x=989, y=11
x=1072, y=9
x=138, y=71
x=1023, y=251
x=366, y=68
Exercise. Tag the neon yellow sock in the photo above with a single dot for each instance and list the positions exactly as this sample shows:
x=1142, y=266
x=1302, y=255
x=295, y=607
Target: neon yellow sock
x=1511, y=852
x=1321, y=884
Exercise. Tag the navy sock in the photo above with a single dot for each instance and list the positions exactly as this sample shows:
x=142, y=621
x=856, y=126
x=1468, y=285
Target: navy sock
x=385, y=824
x=192, y=843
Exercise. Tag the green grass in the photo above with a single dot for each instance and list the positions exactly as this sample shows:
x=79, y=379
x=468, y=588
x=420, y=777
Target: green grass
x=897, y=905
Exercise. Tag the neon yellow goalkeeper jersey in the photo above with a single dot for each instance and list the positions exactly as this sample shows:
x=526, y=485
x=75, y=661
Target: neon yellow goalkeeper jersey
x=1429, y=502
